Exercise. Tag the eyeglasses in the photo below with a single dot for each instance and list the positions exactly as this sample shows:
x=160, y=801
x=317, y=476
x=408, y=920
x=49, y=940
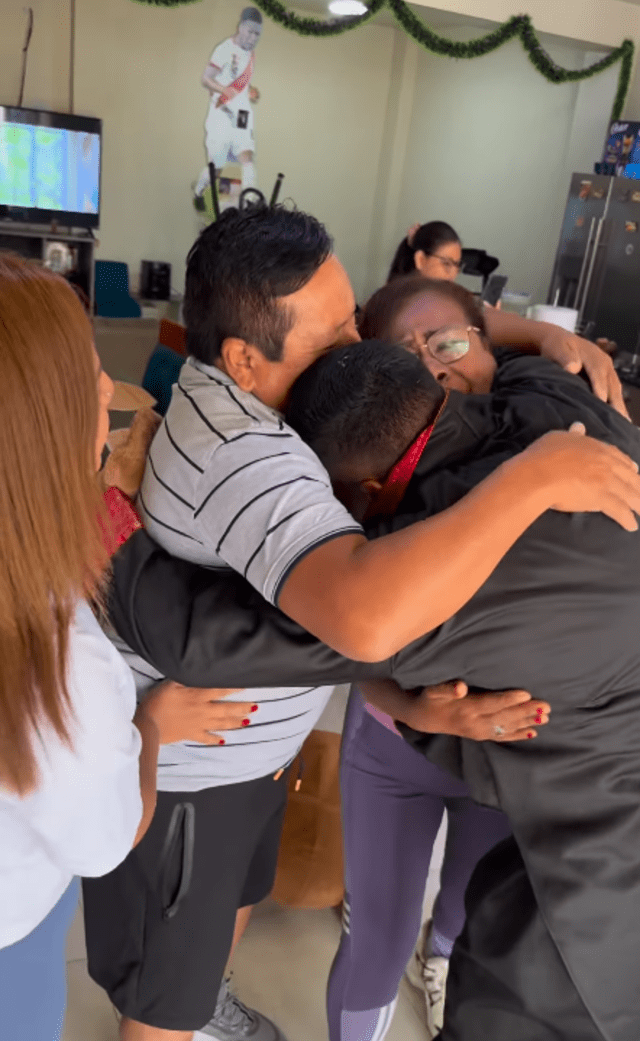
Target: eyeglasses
x=447, y=263
x=446, y=345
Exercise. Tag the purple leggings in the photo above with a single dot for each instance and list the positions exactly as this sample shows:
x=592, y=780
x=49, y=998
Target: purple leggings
x=393, y=801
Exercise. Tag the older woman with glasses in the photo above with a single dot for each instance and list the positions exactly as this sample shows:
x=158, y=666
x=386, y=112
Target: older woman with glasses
x=439, y=321
x=434, y=250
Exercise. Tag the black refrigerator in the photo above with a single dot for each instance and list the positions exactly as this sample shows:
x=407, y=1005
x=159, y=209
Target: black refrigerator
x=597, y=267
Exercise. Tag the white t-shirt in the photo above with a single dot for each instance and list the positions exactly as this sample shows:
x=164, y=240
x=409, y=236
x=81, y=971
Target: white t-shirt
x=84, y=814
x=231, y=60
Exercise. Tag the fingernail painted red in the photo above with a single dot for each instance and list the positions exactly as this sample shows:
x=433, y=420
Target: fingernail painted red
x=254, y=708
x=531, y=734
x=245, y=722
x=222, y=741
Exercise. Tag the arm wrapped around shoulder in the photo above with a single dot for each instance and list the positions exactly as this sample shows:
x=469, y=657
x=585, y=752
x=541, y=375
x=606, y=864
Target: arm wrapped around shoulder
x=210, y=628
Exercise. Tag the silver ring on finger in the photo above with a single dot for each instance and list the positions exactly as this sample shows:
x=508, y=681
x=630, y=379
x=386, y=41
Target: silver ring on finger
x=499, y=731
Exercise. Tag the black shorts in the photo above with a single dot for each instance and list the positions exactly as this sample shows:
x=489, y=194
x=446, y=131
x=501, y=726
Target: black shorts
x=159, y=928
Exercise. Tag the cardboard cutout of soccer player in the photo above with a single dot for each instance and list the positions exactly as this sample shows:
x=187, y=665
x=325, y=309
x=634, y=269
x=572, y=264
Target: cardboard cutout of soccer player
x=229, y=124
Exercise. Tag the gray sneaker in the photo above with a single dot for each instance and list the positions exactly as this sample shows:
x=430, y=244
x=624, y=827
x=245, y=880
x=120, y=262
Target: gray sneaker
x=233, y=1021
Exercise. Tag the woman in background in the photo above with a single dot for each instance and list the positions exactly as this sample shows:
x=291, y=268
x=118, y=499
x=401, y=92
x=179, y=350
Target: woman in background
x=77, y=776
x=433, y=249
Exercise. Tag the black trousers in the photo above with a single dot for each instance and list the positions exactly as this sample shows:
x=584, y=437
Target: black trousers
x=507, y=980
x=159, y=928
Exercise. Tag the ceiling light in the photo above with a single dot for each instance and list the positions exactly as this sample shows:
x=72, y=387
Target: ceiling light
x=347, y=8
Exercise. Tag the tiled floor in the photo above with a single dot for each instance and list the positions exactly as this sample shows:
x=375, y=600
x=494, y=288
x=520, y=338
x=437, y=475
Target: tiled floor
x=281, y=967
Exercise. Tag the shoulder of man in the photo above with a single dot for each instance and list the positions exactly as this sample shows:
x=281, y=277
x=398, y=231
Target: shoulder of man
x=217, y=429
x=206, y=399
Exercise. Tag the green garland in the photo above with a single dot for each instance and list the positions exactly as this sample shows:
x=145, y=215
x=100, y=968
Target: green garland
x=165, y=3
x=519, y=25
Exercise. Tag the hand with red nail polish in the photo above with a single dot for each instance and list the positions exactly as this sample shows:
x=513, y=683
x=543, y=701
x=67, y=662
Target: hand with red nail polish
x=194, y=714
x=449, y=709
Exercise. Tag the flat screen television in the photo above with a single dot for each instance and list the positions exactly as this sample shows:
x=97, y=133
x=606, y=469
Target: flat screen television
x=49, y=168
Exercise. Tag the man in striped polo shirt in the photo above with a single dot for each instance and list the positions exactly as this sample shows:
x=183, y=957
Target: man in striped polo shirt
x=222, y=457
x=228, y=485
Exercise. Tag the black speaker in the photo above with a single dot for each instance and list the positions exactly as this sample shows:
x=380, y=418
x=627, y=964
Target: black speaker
x=155, y=280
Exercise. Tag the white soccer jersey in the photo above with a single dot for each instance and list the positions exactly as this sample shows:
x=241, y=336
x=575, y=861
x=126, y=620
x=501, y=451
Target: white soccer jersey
x=232, y=61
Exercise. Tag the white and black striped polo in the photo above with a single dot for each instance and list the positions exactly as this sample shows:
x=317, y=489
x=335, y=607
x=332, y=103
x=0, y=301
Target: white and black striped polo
x=229, y=485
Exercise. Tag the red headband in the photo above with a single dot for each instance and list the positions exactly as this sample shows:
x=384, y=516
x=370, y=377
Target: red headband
x=404, y=469
x=390, y=495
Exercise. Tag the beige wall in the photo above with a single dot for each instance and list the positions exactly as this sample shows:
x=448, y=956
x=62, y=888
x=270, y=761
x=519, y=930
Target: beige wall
x=320, y=121
x=138, y=67
x=491, y=149
x=47, y=84
x=358, y=124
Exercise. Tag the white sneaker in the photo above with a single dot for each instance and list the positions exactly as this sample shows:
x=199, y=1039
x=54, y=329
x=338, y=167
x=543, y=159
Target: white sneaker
x=198, y=187
x=435, y=981
x=416, y=965
x=429, y=975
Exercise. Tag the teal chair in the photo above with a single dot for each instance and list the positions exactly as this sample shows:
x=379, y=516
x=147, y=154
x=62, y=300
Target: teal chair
x=112, y=291
x=161, y=373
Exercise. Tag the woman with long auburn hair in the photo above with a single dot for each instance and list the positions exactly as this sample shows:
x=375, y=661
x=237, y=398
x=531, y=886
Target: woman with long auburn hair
x=72, y=763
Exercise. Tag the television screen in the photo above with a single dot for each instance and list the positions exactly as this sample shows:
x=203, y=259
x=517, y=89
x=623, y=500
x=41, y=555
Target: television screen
x=49, y=167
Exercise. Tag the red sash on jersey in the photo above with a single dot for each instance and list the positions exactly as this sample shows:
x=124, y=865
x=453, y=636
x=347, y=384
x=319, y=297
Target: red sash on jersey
x=238, y=85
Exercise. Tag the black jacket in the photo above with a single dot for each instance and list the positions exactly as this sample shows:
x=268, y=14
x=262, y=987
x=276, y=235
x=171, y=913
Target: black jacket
x=560, y=616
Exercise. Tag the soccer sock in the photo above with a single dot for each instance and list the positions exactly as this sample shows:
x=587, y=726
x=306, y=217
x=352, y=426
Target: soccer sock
x=248, y=175
x=203, y=181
